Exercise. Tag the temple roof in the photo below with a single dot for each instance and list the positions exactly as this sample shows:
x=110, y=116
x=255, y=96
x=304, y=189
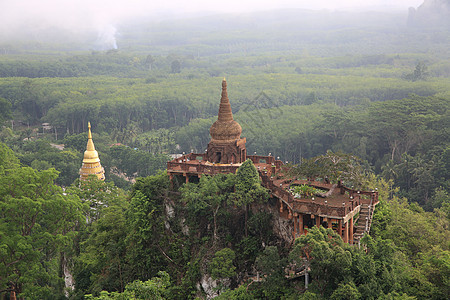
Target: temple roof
x=225, y=128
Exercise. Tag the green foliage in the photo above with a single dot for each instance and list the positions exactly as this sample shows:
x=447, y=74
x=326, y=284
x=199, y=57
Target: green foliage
x=340, y=271
x=441, y=198
x=248, y=186
x=41, y=155
x=97, y=195
x=411, y=253
x=271, y=265
x=208, y=197
x=352, y=113
x=150, y=289
x=5, y=110
x=222, y=264
x=156, y=141
x=195, y=135
x=134, y=162
x=36, y=222
x=419, y=73
x=305, y=190
x=106, y=260
x=240, y=293
x=346, y=291
x=7, y=159
x=188, y=286
x=76, y=141
x=333, y=166
x=102, y=254
x=145, y=220
x=155, y=288
x=407, y=226
x=308, y=295
x=329, y=258
x=260, y=226
x=175, y=66
x=396, y=296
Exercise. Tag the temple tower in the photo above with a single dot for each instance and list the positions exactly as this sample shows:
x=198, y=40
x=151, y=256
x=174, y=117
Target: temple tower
x=91, y=162
x=226, y=145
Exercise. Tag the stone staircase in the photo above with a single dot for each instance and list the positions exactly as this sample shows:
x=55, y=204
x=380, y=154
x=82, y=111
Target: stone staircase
x=364, y=222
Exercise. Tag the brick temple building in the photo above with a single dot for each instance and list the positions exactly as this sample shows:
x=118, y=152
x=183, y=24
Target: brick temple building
x=339, y=207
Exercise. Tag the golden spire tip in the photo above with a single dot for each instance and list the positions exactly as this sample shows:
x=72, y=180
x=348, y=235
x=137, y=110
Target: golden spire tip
x=89, y=131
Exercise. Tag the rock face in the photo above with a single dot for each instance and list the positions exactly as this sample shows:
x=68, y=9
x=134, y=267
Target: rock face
x=282, y=228
x=69, y=283
x=431, y=14
x=209, y=286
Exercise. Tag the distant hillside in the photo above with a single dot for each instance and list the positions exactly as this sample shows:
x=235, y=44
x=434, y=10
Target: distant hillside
x=431, y=14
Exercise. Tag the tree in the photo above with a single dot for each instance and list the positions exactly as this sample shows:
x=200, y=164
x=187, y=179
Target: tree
x=5, y=110
x=412, y=229
x=311, y=98
x=36, y=221
x=248, y=188
x=346, y=291
x=222, y=264
x=149, y=61
x=441, y=198
x=134, y=162
x=145, y=221
x=155, y=289
x=76, y=141
x=334, y=166
x=328, y=257
x=419, y=73
x=414, y=261
x=210, y=193
x=7, y=159
x=97, y=195
x=101, y=263
x=175, y=66
x=271, y=266
x=240, y=293
x=195, y=135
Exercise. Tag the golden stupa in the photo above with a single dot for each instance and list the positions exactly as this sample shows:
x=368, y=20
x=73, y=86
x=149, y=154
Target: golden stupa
x=91, y=162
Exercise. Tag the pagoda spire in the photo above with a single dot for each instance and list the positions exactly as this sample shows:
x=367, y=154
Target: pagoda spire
x=91, y=162
x=225, y=114
x=225, y=128
x=226, y=145
x=90, y=144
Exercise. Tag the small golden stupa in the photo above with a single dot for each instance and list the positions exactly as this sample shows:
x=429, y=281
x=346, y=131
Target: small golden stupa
x=91, y=162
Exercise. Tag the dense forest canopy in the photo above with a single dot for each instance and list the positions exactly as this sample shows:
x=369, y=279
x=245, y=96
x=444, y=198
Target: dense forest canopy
x=302, y=84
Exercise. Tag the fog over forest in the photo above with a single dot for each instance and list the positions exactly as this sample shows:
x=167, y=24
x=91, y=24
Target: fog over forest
x=100, y=24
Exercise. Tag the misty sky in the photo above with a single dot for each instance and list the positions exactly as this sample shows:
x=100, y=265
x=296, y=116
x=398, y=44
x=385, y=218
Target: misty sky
x=87, y=14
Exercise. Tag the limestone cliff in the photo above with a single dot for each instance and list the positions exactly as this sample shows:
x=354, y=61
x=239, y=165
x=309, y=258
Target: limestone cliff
x=432, y=14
